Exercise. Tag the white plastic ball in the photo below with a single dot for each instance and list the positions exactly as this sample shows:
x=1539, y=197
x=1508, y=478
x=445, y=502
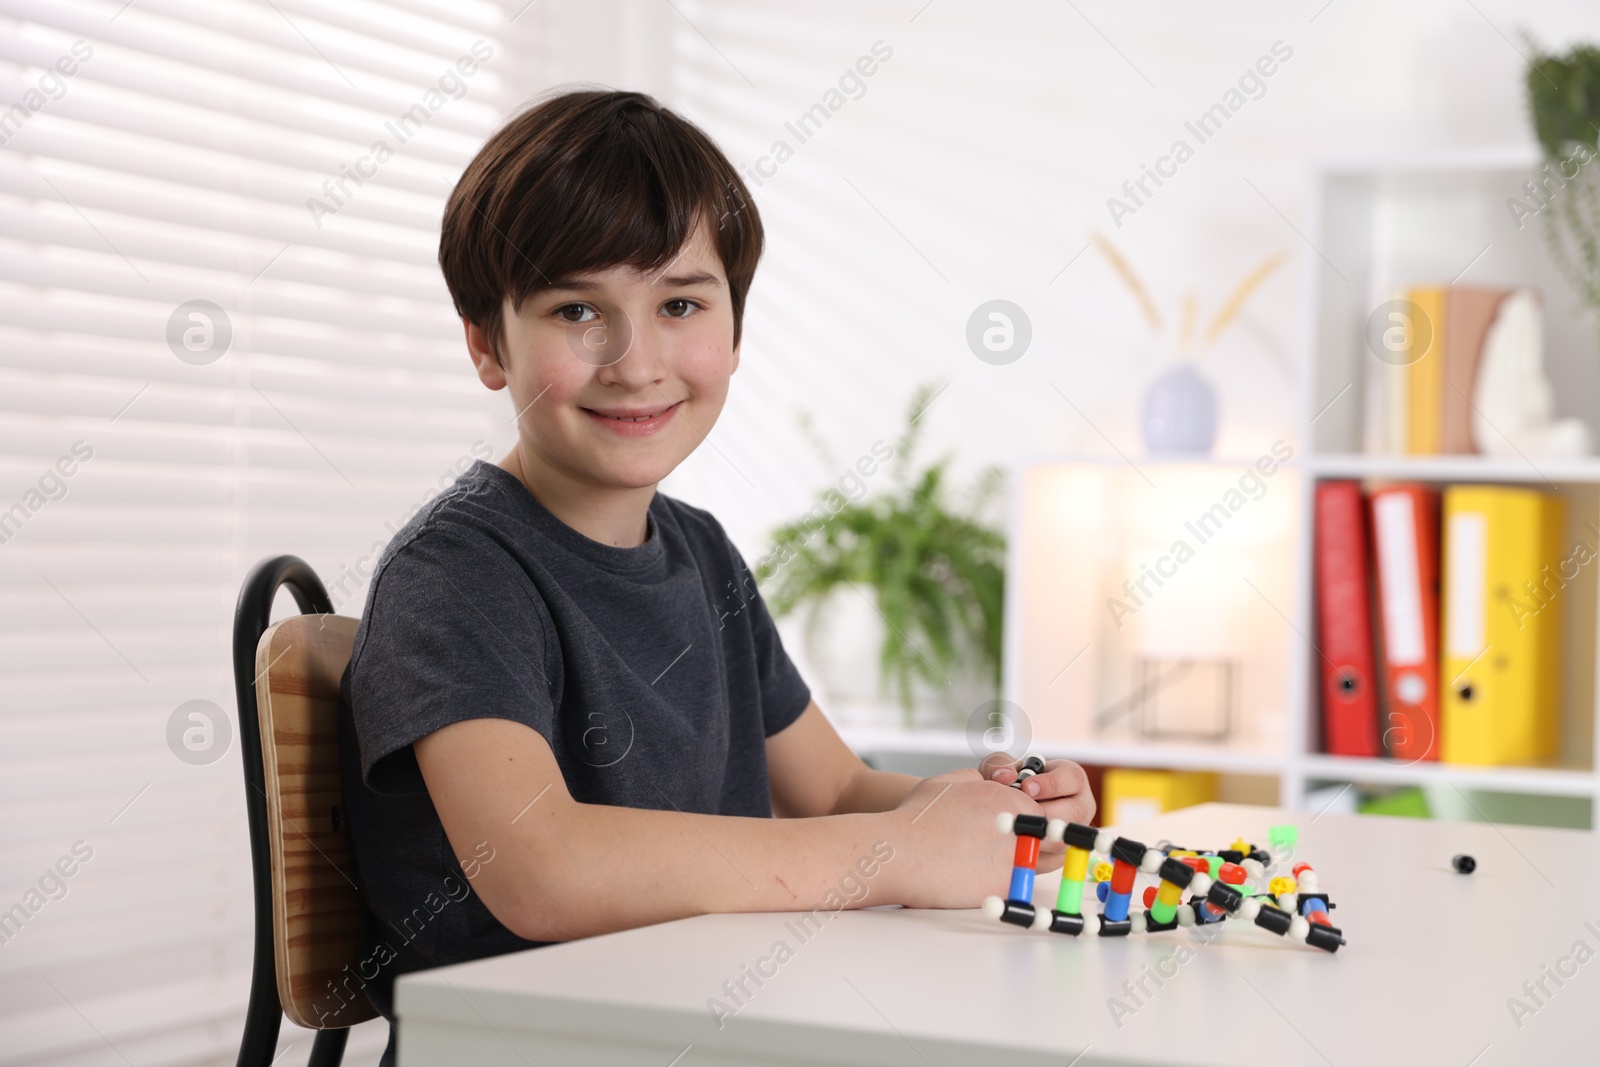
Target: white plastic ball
x=1287, y=902
x=1249, y=909
x=1299, y=928
x=1253, y=867
x=1151, y=861
x=1308, y=882
x=1102, y=842
x=1138, y=922
x=1185, y=915
x=1055, y=830
x=993, y=908
x=1041, y=920
x=1200, y=885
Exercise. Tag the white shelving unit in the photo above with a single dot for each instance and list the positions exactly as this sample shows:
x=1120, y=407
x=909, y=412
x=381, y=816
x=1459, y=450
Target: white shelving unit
x=1080, y=526
x=1379, y=226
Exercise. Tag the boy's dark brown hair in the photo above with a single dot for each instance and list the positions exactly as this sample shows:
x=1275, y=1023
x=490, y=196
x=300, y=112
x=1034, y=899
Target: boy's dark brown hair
x=584, y=181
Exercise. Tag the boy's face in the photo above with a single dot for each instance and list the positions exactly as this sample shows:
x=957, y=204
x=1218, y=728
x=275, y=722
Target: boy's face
x=618, y=375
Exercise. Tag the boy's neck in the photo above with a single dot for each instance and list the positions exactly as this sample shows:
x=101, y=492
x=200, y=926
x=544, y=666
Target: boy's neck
x=616, y=517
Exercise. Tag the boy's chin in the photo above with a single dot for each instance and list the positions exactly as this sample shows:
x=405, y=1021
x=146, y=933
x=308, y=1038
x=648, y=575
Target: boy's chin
x=634, y=475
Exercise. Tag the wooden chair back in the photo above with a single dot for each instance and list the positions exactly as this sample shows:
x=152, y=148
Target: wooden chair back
x=316, y=898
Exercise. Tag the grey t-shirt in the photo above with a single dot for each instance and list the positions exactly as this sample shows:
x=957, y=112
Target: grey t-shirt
x=655, y=673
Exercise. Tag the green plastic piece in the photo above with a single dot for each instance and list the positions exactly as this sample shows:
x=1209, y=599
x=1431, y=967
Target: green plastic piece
x=1215, y=863
x=1283, y=838
x=1162, y=913
x=1069, y=901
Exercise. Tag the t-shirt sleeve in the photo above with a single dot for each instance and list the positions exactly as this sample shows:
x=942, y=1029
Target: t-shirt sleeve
x=454, y=631
x=784, y=694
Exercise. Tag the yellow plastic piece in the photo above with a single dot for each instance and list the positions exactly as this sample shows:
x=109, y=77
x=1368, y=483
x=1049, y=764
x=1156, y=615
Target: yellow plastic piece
x=1130, y=795
x=1075, y=864
x=1279, y=886
x=1240, y=845
x=1102, y=872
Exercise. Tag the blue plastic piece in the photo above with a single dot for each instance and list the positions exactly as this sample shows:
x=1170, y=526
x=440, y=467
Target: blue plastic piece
x=1021, y=885
x=1117, y=906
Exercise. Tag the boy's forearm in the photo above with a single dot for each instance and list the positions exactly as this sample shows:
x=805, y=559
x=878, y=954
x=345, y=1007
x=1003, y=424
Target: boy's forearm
x=872, y=790
x=617, y=868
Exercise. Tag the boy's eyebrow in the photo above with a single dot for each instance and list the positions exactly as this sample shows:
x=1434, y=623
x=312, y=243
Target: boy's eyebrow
x=697, y=278
x=585, y=285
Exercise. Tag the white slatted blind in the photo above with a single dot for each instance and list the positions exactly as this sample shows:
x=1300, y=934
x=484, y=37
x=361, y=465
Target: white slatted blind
x=174, y=164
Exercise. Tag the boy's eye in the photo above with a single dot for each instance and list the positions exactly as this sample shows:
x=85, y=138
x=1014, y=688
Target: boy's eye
x=679, y=308
x=578, y=308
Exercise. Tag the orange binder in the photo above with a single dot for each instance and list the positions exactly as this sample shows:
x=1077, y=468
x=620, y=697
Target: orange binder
x=1405, y=536
x=1344, y=621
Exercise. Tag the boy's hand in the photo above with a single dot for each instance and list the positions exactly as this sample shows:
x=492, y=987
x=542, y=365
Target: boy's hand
x=1061, y=789
x=948, y=853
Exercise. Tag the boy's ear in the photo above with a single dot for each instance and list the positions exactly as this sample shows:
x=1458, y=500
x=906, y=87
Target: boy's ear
x=736, y=355
x=490, y=372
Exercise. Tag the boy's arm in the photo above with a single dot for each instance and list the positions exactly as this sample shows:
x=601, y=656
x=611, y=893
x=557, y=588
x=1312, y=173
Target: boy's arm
x=562, y=870
x=813, y=772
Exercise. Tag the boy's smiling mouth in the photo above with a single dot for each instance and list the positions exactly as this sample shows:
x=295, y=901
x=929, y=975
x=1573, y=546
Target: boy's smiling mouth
x=633, y=422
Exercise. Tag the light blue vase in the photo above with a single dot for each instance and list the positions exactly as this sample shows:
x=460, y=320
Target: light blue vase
x=1180, y=413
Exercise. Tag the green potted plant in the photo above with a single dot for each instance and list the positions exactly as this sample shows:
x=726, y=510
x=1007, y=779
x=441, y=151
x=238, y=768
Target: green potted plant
x=931, y=567
x=1564, y=101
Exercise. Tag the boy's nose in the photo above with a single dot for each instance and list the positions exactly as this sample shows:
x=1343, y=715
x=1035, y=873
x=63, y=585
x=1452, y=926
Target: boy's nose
x=636, y=361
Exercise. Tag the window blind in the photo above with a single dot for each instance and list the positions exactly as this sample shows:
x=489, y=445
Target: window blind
x=223, y=336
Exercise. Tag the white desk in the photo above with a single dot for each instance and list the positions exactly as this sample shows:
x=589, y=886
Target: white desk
x=1431, y=960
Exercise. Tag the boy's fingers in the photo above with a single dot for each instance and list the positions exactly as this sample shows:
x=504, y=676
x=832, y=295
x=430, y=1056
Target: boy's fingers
x=1060, y=778
x=994, y=766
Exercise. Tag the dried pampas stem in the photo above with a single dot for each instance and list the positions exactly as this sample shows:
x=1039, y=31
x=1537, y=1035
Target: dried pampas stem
x=1230, y=308
x=1186, y=330
x=1131, y=280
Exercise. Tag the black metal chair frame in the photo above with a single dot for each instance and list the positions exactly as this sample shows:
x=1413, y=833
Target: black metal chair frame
x=250, y=620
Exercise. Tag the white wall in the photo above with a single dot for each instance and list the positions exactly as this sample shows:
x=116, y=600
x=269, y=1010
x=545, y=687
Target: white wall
x=991, y=141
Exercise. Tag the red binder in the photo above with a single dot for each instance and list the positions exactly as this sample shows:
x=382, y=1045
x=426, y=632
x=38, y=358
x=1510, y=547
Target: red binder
x=1344, y=622
x=1405, y=537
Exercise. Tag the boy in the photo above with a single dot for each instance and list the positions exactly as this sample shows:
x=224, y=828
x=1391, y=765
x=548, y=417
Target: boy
x=565, y=689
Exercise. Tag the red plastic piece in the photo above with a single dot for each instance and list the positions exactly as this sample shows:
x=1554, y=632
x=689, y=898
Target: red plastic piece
x=1122, y=876
x=1233, y=874
x=1149, y=896
x=1301, y=868
x=1027, y=851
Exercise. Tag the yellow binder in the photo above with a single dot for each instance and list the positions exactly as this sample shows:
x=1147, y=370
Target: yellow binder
x=1130, y=795
x=1501, y=604
x=1425, y=372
